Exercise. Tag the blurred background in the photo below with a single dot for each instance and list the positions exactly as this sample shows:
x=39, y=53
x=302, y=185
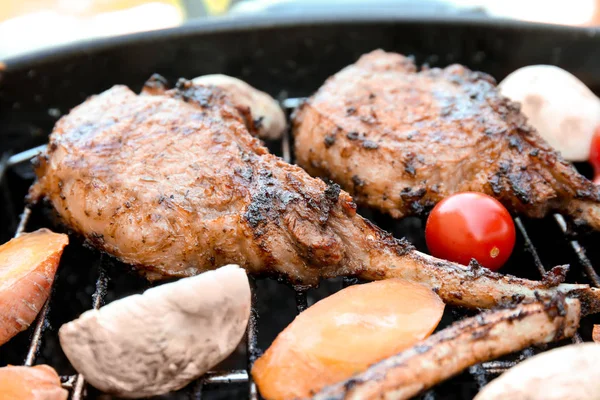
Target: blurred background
x=27, y=25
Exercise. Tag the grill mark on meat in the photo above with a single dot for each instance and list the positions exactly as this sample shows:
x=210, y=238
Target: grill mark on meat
x=329, y=140
x=358, y=183
x=258, y=122
x=409, y=164
x=267, y=203
x=517, y=184
x=187, y=91
x=353, y=135
x=370, y=145
x=515, y=143
x=329, y=201
x=412, y=198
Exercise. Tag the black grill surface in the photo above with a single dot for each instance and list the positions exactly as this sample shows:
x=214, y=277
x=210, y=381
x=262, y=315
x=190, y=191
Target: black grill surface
x=288, y=57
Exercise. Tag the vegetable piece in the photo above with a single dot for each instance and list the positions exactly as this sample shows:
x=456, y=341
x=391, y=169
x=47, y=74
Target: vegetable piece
x=565, y=373
x=267, y=117
x=451, y=350
x=27, y=267
x=562, y=109
x=595, y=155
x=344, y=334
x=30, y=383
x=471, y=225
x=596, y=333
x=149, y=344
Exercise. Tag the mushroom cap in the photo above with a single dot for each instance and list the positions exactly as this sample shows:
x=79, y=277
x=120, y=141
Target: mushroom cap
x=159, y=341
x=566, y=373
x=268, y=117
x=561, y=108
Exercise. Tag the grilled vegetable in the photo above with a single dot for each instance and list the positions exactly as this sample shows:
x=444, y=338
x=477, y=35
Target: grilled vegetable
x=562, y=109
x=267, y=117
x=595, y=155
x=345, y=333
x=448, y=352
x=30, y=383
x=149, y=344
x=27, y=267
x=565, y=373
x=469, y=226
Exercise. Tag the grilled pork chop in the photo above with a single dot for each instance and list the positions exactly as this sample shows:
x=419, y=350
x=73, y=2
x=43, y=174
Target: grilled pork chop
x=426, y=135
x=173, y=183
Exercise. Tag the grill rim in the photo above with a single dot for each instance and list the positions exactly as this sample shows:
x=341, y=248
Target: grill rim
x=266, y=21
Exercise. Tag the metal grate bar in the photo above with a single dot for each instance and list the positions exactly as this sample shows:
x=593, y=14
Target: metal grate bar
x=97, y=302
x=68, y=381
x=25, y=155
x=286, y=148
x=479, y=374
x=23, y=219
x=539, y=265
x=498, y=367
x=36, y=339
x=429, y=395
x=252, y=343
x=4, y=164
x=349, y=281
x=40, y=324
x=220, y=377
x=580, y=252
x=292, y=102
x=196, y=393
x=530, y=247
x=8, y=203
x=301, y=301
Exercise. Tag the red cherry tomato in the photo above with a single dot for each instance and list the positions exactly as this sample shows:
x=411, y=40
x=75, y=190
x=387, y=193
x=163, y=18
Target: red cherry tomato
x=471, y=225
x=595, y=155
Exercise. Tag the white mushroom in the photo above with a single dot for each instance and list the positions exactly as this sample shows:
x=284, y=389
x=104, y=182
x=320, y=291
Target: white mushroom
x=562, y=109
x=268, y=117
x=159, y=341
x=565, y=373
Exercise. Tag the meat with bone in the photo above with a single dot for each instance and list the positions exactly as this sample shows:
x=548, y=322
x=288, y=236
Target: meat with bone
x=429, y=134
x=468, y=342
x=172, y=182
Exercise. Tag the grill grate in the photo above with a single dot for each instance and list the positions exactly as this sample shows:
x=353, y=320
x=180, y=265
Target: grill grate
x=480, y=373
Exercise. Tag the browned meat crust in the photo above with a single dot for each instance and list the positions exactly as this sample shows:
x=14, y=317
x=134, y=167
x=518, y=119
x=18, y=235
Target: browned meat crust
x=401, y=140
x=173, y=183
x=468, y=342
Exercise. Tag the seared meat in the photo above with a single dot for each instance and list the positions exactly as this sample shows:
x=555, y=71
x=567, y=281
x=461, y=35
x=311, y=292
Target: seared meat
x=267, y=117
x=468, y=342
x=401, y=140
x=173, y=183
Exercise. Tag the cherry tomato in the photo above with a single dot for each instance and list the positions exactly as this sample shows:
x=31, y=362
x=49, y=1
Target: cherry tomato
x=471, y=225
x=595, y=155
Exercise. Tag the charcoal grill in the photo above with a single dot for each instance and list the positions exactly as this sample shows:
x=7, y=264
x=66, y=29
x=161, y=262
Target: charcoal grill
x=288, y=57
